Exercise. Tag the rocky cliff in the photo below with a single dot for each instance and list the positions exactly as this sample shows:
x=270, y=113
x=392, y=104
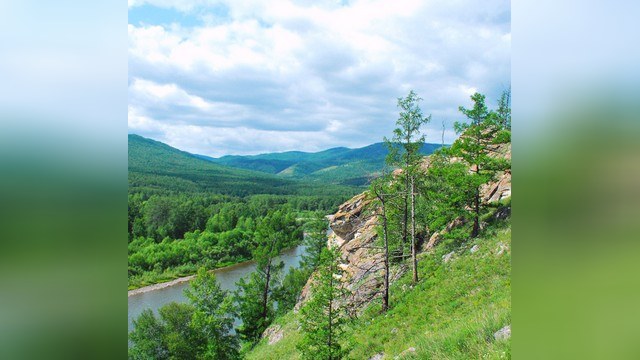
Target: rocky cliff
x=354, y=232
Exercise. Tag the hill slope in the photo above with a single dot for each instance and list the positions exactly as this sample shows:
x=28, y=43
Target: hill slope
x=157, y=167
x=452, y=314
x=337, y=165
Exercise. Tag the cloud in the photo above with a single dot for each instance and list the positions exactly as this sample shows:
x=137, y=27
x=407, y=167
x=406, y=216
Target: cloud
x=286, y=75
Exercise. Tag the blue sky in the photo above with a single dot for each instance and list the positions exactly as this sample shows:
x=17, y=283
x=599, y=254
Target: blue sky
x=222, y=77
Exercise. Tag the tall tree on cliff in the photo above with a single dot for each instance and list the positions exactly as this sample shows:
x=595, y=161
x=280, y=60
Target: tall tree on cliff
x=475, y=145
x=409, y=138
x=322, y=316
x=254, y=297
x=382, y=195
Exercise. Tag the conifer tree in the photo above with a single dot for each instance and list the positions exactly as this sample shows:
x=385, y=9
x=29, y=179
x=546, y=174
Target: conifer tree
x=315, y=240
x=474, y=146
x=404, y=151
x=381, y=193
x=254, y=297
x=323, y=316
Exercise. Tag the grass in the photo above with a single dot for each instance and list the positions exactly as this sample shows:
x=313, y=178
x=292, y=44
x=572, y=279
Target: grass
x=452, y=313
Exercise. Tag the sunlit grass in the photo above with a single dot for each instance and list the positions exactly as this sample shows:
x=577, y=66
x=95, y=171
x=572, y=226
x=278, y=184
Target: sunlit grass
x=452, y=313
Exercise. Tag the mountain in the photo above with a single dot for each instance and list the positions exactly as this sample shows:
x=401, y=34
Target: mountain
x=158, y=167
x=339, y=165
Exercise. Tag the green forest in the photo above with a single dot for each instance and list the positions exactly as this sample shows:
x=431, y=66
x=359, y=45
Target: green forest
x=185, y=212
x=182, y=221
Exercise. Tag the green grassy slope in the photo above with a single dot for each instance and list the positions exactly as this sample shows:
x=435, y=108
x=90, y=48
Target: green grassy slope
x=338, y=165
x=157, y=167
x=452, y=313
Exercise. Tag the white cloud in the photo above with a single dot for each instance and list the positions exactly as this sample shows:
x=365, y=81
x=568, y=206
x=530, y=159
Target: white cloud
x=314, y=75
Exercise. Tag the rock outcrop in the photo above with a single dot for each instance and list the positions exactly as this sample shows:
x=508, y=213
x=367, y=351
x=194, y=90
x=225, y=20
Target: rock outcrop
x=353, y=231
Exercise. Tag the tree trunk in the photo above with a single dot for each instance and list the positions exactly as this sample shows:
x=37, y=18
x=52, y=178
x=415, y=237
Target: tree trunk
x=476, y=218
x=414, y=257
x=385, y=296
x=405, y=214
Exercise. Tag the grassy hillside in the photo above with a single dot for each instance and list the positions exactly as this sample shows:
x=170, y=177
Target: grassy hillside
x=157, y=167
x=452, y=313
x=338, y=165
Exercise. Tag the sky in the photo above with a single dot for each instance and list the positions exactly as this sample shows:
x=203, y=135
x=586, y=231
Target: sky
x=218, y=77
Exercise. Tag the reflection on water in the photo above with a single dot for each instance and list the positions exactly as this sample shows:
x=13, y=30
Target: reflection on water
x=227, y=277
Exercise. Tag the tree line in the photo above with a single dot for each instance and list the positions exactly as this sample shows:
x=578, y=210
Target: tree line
x=202, y=328
x=171, y=236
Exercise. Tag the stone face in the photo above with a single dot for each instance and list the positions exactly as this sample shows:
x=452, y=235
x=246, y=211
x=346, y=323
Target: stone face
x=503, y=334
x=274, y=334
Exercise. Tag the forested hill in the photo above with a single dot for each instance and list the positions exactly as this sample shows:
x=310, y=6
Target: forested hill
x=337, y=165
x=155, y=167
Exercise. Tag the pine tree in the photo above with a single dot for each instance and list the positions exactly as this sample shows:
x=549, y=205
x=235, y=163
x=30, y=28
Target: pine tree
x=322, y=316
x=475, y=147
x=404, y=151
x=381, y=193
x=315, y=240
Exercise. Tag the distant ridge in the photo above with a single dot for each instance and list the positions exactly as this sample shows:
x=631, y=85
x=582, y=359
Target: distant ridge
x=155, y=167
x=338, y=165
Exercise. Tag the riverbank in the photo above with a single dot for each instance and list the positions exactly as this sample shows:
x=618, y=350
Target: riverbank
x=182, y=279
x=133, y=290
x=155, y=296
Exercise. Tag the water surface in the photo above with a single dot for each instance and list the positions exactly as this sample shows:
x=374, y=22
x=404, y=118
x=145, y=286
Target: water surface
x=227, y=278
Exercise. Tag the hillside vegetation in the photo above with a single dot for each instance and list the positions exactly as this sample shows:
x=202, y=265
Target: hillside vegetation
x=452, y=314
x=418, y=266
x=185, y=212
x=155, y=167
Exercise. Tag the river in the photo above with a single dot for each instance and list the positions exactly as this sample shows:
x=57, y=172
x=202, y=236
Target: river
x=227, y=278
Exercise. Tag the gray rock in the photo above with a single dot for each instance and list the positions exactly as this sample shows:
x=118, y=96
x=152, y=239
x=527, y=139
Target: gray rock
x=503, y=334
x=474, y=248
x=274, y=334
x=448, y=256
x=394, y=330
x=378, y=356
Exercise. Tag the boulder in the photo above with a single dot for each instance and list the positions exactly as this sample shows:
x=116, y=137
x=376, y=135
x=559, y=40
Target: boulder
x=503, y=334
